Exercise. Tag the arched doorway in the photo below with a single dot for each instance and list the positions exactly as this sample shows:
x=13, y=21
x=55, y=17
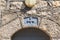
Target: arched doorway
x=30, y=34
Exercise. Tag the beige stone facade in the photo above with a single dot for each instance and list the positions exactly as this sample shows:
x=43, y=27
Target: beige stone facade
x=49, y=18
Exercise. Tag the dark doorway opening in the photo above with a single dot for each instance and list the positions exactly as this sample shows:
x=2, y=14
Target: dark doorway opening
x=30, y=34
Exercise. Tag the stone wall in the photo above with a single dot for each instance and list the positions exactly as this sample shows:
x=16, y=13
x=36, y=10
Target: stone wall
x=49, y=12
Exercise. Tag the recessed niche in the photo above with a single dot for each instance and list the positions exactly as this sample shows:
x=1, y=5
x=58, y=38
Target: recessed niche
x=30, y=34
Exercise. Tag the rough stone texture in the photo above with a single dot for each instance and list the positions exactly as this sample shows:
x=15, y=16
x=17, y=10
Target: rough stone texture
x=56, y=3
x=11, y=18
x=2, y=4
x=7, y=30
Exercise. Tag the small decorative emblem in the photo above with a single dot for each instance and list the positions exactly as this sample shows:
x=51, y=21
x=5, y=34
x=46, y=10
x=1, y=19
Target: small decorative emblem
x=30, y=21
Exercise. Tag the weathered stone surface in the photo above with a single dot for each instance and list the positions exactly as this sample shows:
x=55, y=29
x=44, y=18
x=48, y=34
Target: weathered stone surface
x=7, y=18
x=40, y=4
x=2, y=4
x=32, y=12
x=51, y=27
x=11, y=21
x=16, y=5
x=56, y=3
x=7, y=30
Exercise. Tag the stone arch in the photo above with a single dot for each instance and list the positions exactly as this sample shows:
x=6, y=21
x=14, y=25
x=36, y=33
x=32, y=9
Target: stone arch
x=30, y=34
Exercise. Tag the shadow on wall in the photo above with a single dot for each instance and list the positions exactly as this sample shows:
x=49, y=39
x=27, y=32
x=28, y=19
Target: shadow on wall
x=30, y=34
